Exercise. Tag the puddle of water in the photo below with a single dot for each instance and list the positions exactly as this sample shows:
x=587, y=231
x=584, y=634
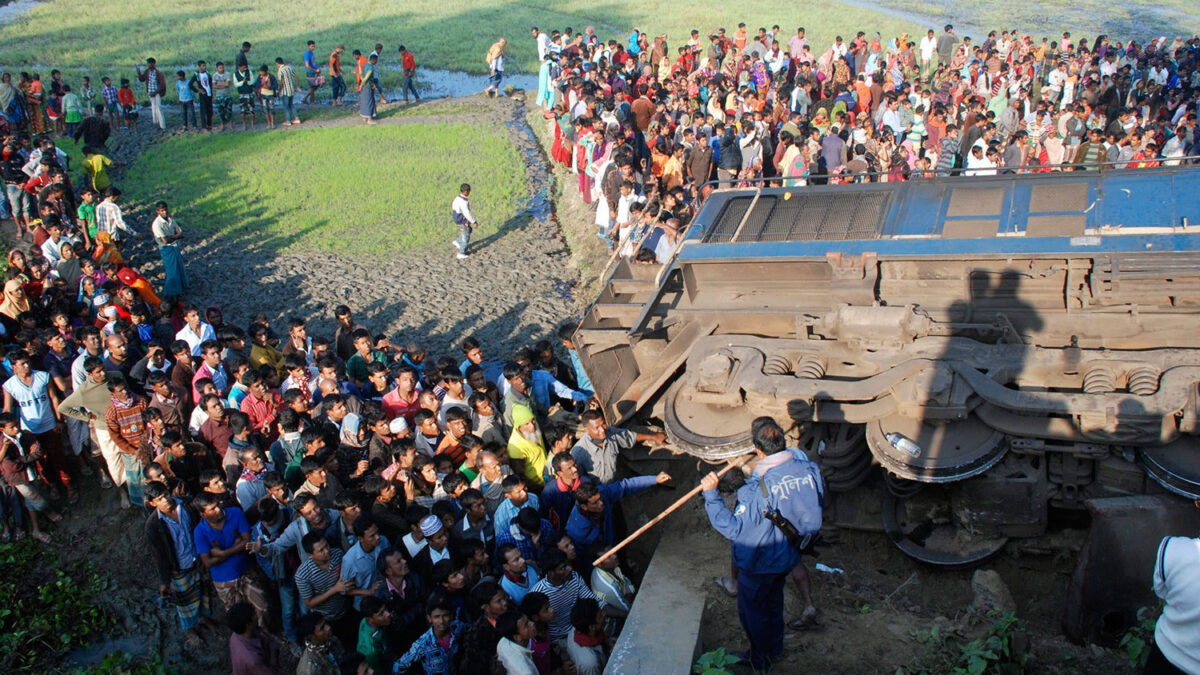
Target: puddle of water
x=436, y=83
x=13, y=10
x=539, y=205
x=95, y=653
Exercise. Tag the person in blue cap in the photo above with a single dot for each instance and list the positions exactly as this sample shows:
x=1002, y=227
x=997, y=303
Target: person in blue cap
x=781, y=482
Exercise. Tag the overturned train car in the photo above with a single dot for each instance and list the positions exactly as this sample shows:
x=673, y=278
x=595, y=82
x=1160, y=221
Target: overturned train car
x=998, y=345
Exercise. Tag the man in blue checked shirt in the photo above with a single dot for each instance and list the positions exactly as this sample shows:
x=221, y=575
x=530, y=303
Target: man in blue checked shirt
x=428, y=650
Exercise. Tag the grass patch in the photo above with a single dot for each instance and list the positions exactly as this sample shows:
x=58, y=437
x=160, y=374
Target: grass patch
x=95, y=34
x=436, y=108
x=348, y=189
x=1138, y=19
x=74, y=152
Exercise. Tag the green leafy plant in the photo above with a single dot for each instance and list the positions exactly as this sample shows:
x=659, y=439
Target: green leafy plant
x=715, y=662
x=994, y=652
x=1136, y=641
x=1000, y=650
x=48, y=609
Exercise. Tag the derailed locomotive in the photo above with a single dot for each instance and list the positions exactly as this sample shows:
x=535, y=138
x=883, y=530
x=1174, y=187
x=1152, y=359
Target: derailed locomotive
x=998, y=345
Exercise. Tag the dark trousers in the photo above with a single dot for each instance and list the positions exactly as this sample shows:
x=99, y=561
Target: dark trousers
x=54, y=466
x=188, y=109
x=206, y=111
x=760, y=609
x=406, y=87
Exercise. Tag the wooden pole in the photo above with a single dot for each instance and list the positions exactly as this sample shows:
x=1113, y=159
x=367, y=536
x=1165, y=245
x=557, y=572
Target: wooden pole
x=668, y=511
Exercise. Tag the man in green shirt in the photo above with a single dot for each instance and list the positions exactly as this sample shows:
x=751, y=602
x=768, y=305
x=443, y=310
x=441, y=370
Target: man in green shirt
x=356, y=365
x=372, y=634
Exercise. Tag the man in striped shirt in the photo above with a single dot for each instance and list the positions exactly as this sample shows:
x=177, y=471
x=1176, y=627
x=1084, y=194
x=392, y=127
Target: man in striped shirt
x=564, y=587
x=322, y=590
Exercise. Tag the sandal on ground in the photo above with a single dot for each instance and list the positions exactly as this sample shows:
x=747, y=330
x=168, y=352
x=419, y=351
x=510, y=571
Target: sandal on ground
x=807, y=618
x=54, y=517
x=726, y=585
x=42, y=537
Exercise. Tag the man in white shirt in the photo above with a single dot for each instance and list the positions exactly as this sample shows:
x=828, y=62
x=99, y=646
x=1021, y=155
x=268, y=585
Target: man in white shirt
x=891, y=117
x=195, y=331
x=1177, y=582
x=839, y=48
x=543, y=43
x=1057, y=80
x=52, y=247
x=928, y=48
x=460, y=210
x=978, y=163
x=777, y=60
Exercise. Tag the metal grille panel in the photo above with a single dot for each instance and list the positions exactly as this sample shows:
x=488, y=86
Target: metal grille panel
x=803, y=217
x=731, y=214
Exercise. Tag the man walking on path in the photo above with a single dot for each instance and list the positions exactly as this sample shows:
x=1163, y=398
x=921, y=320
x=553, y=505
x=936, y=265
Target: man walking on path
x=312, y=72
x=495, y=63
x=337, y=84
x=156, y=84
x=460, y=209
x=408, y=64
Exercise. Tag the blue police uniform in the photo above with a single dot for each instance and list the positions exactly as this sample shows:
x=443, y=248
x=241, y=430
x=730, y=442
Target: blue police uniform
x=762, y=554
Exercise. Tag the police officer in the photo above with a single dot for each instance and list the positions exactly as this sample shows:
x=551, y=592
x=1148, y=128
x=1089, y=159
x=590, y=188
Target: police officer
x=783, y=484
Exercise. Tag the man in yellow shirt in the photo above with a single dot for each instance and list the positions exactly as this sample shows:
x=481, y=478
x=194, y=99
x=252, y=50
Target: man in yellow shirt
x=526, y=450
x=261, y=351
x=95, y=165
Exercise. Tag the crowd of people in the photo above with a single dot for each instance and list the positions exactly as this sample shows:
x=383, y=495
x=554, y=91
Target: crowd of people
x=646, y=126
x=208, y=100
x=373, y=508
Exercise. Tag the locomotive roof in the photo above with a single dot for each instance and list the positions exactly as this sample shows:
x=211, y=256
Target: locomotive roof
x=1077, y=212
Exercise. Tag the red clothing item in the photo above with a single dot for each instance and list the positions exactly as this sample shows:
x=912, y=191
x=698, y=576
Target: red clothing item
x=35, y=184
x=407, y=61
x=125, y=97
x=262, y=413
x=394, y=406
x=217, y=434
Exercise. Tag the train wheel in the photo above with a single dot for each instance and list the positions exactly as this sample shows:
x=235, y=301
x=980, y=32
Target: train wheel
x=922, y=527
x=712, y=433
x=937, y=453
x=1175, y=466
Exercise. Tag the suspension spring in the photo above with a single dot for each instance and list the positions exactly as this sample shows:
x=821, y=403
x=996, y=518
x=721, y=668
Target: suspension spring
x=1099, y=380
x=1143, y=380
x=777, y=364
x=811, y=367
